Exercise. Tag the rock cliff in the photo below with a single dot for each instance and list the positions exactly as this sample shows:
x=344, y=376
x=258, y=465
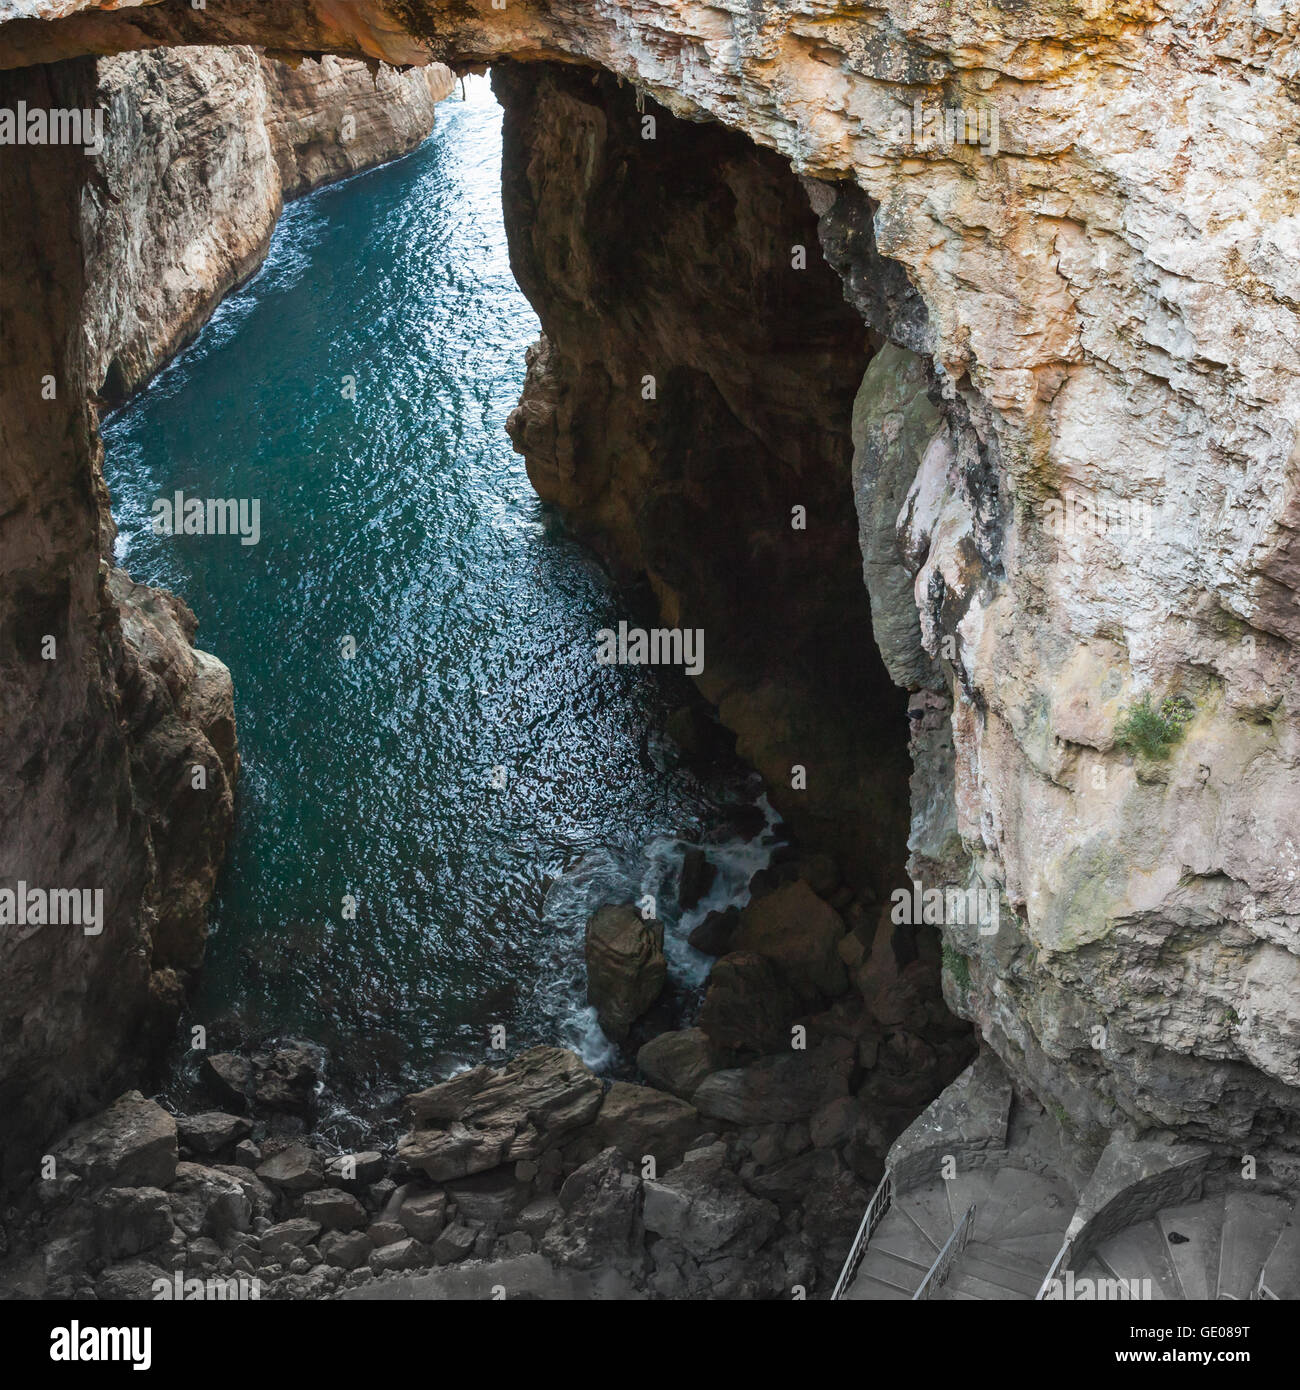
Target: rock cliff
x=204, y=146
x=1097, y=289
x=118, y=743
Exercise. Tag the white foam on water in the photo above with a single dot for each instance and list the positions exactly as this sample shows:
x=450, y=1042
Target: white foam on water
x=607, y=876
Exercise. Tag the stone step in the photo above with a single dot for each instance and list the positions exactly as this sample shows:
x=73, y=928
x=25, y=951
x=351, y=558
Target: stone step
x=1007, y=1196
x=1017, y=1282
x=927, y=1207
x=1251, y=1224
x=1140, y=1253
x=1282, y=1272
x=900, y=1237
x=1193, y=1233
x=1040, y=1250
x=1045, y=1214
x=965, y=1189
x=881, y=1268
x=865, y=1289
x=1011, y=1263
x=973, y=1284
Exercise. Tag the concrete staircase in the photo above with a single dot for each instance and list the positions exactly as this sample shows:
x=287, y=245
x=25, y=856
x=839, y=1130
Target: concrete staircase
x=1020, y=1222
x=1211, y=1249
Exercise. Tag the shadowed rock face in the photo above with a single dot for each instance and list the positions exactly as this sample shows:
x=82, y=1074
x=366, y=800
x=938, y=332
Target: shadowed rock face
x=692, y=259
x=1110, y=312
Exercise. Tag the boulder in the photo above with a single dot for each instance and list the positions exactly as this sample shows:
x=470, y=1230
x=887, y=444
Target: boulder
x=488, y=1199
x=836, y=1122
x=132, y=1281
x=599, y=1221
x=778, y=1089
x=259, y=1195
x=286, y=1078
x=205, y=1201
x=714, y=935
x=402, y=1254
x=454, y=1244
x=359, y=1169
x=423, y=1215
x=130, y=1220
x=639, y=1121
x=677, y=1061
x=131, y=1144
x=345, y=1249
x=707, y=1210
x=800, y=934
x=282, y=1080
x=209, y=1133
x=247, y=1154
x=284, y=1242
x=488, y=1116
x=385, y=1232
x=749, y=1005
x=538, y=1215
x=296, y=1168
x=626, y=969
x=228, y=1075
x=334, y=1210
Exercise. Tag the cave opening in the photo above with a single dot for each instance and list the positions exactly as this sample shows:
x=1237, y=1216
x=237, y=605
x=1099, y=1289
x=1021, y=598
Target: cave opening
x=688, y=410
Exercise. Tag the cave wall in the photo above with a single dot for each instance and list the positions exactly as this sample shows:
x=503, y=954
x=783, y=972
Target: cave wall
x=1111, y=309
x=681, y=258
x=78, y=1009
x=205, y=146
x=109, y=265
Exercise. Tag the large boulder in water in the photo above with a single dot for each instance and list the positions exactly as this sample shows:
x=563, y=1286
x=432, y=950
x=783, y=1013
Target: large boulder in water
x=626, y=969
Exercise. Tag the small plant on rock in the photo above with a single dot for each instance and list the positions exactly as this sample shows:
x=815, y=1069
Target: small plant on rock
x=958, y=967
x=1151, y=731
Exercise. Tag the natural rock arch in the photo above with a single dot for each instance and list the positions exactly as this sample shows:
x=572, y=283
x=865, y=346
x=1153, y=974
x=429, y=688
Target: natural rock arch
x=1105, y=314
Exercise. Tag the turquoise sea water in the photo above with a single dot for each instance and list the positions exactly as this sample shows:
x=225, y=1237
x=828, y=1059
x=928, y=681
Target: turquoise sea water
x=404, y=520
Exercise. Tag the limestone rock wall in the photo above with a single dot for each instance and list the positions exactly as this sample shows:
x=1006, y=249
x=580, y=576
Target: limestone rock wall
x=203, y=146
x=1111, y=311
x=107, y=267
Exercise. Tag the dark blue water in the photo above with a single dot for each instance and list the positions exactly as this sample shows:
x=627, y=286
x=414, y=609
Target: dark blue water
x=404, y=520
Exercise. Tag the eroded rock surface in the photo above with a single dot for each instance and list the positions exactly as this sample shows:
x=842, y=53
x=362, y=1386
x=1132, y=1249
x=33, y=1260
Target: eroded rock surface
x=118, y=749
x=204, y=145
x=1109, y=311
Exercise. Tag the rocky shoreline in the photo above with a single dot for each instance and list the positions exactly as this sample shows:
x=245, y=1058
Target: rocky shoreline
x=738, y=1171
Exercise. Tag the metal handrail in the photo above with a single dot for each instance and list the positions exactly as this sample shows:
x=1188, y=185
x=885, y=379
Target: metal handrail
x=1058, y=1264
x=871, y=1218
x=947, y=1257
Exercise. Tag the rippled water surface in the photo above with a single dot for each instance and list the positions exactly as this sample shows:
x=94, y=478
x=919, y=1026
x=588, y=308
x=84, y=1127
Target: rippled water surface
x=404, y=520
